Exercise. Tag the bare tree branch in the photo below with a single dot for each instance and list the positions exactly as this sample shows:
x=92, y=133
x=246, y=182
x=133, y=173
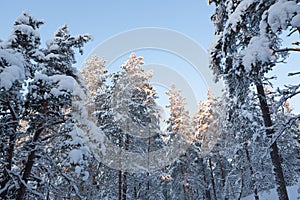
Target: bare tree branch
x=285, y=50
x=293, y=74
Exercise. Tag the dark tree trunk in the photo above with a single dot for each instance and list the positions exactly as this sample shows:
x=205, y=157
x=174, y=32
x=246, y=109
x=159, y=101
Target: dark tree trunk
x=120, y=171
x=148, y=164
x=212, y=179
x=28, y=165
x=9, y=164
x=10, y=151
x=207, y=192
x=135, y=190
x=251, y=172
x=242, y=185
x=31, y=156
x=221, y=170
x=279, y=177
x=120, y=184
x=124, y=195
x=125, y=173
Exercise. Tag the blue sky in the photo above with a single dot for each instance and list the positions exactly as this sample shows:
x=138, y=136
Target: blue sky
x=104, y=18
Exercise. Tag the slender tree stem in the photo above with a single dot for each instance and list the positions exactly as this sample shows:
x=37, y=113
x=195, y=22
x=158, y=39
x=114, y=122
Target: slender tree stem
x=279, y=177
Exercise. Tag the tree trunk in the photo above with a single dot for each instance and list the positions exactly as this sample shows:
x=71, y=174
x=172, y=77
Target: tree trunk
x=207, y=192
x=11, y=148
x=124, y=195
x=279, y=177
x=120, y=173
x=125, y=173
x=251, y=172
x=31, y=156
x=29, y=164
x=212, y=179
x=242, y=185
x=120, y=184
x=135, y=190
x=221, y=169
x=9, y=164
x=148, y=164
x=223, y=176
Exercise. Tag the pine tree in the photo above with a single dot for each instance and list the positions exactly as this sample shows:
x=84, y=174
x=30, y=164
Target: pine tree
x=210, y=134
x=128, y=115
x=16, y=67
x=181, y=134
x=139, y=122
x=246, y=48
x=45, y=144
x=95, y=75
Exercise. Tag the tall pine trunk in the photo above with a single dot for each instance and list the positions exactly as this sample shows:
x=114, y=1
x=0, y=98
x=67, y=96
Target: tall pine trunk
x=242, y=185
x=251, y=172
x=206, y=192
x=120, y=185
x=222, y=173
x=31, y=156
x=120, y=171
x=125, y=173
x=148, y=165
x=279, y=177
x=212, y=178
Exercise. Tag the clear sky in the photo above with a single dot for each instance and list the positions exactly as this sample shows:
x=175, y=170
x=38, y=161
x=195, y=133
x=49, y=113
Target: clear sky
x=105, y=18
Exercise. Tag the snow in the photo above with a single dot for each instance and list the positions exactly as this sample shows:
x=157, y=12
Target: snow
x=77, y=170
x=296, y=21
x=235, y=18
x=27, y=18
x=24, y=18
x=75, y=135
x=53, y=47
x=38, y=54
x=64, y=84
x=14, y=71
x=68, y=83
x=55, y=92
x=12, y=58
x=272, y=194
x=258, y=50
x=27, y=30
x=51, y=55
x=247, y=114
x=86, y=175
x=76, y=155
x=281, y=13
x=279, y=16
x=41, y=77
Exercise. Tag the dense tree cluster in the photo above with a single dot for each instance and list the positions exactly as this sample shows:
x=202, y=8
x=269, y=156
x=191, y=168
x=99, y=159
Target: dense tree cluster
x=43, y=148
x=58, y=125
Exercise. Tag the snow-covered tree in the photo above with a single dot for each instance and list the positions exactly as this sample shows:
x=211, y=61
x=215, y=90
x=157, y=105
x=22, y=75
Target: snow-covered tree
x=179, y=130
x=246, y=48
x=210, y=134
x=12, y=76
x=140, y=119
x=128, y=115
x=94, y=74
x=16, y=67
x=43, y=147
